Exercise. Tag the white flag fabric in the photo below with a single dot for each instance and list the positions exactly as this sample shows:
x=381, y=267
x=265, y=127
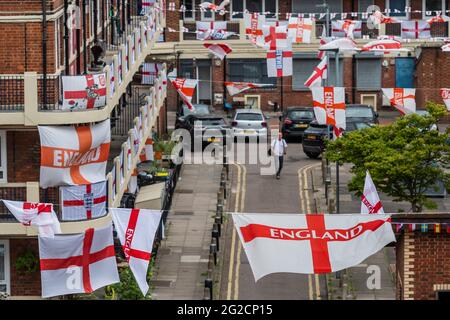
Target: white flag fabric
x=446, y=47
x=385, y=46
x=310, y=243
x=150, y=72
x=147, y=6
x=84, y=92
x=416, y=29
x=274, y=38
x=79, y=263
x=74, y=155
x=329, y=105
x=319, y=73
x=136, y=229
x=346, y=28
x=220, y=50
x=83, y=202
x=445, y=94
x=279, y=63
x=370, y=201
x=343, y=44
x=213, y=30
x=404, y=100
x=185, y=88
x=234, y=88
x=40, y=215
x=253, y=26
x=299, y=30
x=147, y=151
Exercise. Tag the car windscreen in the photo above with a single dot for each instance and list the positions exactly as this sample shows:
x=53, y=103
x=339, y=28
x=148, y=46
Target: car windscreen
x=249, y=116
x=300, y=114
x=198, y=109
x=210, y=122
x=358, y=113
x=319, y=126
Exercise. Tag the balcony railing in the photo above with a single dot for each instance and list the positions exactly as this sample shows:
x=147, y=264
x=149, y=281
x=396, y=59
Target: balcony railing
x=232, y=26
x=14, y=192
x=11, y=93
x=438, y=29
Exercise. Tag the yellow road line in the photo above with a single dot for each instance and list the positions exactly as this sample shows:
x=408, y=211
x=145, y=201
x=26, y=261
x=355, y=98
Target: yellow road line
x=239, y=245
x=233, y=236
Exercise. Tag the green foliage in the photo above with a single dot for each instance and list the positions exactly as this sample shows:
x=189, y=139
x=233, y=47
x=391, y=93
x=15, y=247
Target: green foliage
x=27, y=262
x=404, y=158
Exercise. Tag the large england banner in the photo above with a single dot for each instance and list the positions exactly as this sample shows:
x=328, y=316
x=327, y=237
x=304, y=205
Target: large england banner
x=84, y=92
x=310, y=243
x=329, y=105
x=74, y=155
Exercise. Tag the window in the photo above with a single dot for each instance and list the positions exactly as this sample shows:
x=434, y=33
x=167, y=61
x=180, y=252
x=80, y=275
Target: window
x=363, y=5
x=302, y=6
x=397, y=8
x=4, y=267
x=3, y=177
x=255, y=6
x=431, y=6
x=189, y=14
x=368, y=74
x=303, y=68
x=249, y=70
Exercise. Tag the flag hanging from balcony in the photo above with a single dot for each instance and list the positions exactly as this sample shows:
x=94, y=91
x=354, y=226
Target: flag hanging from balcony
x=346, y=28
x=299, y=30
x=310, y=243
x=319, y=73
x=83, y=202
x=438, y=19
x=147, y=151
x=74, y=155
x=253, y=26
x=378, y=18
x=185, y=88
x=79, y=263
x=147, y=6
x=370, y=201
x=40, y=215
x=214, y=30
x=383, y=46
x=234, y=88
x=279, y=62
x=416, y=29
x=341, y=44
x=274, y=38
x=204, y=6
x=446, y=47
x=220, y=50
x=136, y=229
x=445, y=94
x=150, y=72
x=329, y=105
x=404, y=100
x=84, y=92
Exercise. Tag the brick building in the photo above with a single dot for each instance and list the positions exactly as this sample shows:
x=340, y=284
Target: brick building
x=35, y=56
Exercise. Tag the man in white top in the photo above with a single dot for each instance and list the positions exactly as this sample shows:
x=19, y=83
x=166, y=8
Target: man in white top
x=279, y=147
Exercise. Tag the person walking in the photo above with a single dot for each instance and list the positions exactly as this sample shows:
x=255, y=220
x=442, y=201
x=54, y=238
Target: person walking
x=279, y=147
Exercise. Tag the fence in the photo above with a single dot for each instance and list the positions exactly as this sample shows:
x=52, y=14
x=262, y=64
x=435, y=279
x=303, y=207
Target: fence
x=12, y=93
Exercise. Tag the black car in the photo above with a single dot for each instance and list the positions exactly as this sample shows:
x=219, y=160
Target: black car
x=313, y=139
x=360, y=113
x=199, y=109
x=295, y=120
x=207, y=128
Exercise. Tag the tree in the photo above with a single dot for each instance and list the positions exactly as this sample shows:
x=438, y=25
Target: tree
x=404, y=158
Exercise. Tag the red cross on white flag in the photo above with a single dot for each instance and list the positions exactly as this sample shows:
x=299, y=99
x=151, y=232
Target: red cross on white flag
x=445, y=94
x=370, y=201
x=253, y=25
x=84, y=92
x=402, y=99
x=346, y=28
x=416, y=29
x=319, y=73
x=83, y=202
x=136, y=229
x=329, y=105
x=234, y=88
x=299, y=30
x=310, y=243
x=279, y=63
x=79, y=263
x=185, y=88
x=274, y=38
x=384, y=46
x=220, y=50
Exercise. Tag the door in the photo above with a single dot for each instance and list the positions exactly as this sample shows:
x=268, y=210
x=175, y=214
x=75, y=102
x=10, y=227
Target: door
x=404, y=72
x=252, y=102
x=204, y=92
x=370, y=100
x=4, y=267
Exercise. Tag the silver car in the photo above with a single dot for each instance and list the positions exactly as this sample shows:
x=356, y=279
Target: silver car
x=249, y=123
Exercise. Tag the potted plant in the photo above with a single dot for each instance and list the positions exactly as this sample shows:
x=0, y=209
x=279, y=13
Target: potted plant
x=158, y=148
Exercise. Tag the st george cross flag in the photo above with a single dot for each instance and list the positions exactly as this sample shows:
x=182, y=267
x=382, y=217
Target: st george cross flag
x=279, y=62
x=416, y=29
x=274, y=38
x=299, y=30
x=329, y=105
x=79, y=263
x=310, y=243
x=147, y=151
x=136, y=229
x=208, y=30
x=150, y=72
x=346, y=28
x=84, y=92
x=147, y=6
x=220, y=50
x=385, y=46
x=445, y=94
x=341, y=44
x=319, y=73
x=378, y=18
x=83, y=202
x=438, y=19
x=253, y=25
x=185, y=88
x=404, y=100
x=446, y=47
x=40, y=215
x=234, y=88
x=73, y=155
x=370, y=201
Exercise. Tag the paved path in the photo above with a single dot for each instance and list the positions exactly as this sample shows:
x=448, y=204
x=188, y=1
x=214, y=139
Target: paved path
x=183, y=256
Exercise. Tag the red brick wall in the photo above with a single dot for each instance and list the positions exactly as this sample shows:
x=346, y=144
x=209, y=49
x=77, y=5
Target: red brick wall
x=399, y=267
x=172, y=21
x=23, y=156
x=23, y=284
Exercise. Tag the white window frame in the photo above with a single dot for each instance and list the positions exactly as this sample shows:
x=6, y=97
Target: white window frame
x=424, y=16
x=203, y=18
x=192, y=12
x=263, y=9
x=7, y=280
x=407, y=16
x=3, y=161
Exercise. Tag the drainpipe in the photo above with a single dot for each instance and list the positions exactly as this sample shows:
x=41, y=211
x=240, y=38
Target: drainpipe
x=84, y=38
x=79, y=44
x=95, y=19
x=44, y=53
x=66, y=39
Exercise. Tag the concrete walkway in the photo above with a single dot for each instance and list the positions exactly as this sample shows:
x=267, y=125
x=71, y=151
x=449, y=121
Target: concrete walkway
x=182, y=258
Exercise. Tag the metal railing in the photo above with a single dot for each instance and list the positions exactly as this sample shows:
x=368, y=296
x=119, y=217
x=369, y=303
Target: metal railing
x=14, y=194
x=12, y=93
x=51, y=99
x=438, y=29
x=232, y=26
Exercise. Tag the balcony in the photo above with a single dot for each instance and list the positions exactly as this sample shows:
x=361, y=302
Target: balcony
x=117, y=178
x=22, y=98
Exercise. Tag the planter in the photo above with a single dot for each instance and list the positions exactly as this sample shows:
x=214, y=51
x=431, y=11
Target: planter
x=158, y=155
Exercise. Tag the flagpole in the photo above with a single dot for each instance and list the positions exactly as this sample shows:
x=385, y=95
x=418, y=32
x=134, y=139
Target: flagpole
x=336, y=57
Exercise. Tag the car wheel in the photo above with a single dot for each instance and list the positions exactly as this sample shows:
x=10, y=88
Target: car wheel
x=312, y=155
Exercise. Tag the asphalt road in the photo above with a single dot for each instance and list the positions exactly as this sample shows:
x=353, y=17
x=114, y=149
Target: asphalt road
x=253, y=192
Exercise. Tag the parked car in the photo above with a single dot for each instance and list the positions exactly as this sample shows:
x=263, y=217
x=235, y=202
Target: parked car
x=313, y=139
x=199, y=126
x=360, y=113
x=249, y=123
x=199, y=109
x=295, y=120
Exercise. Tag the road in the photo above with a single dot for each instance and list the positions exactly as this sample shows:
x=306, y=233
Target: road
x=253, y=192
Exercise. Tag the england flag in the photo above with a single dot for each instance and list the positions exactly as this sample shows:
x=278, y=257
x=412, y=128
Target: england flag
x=370, y=201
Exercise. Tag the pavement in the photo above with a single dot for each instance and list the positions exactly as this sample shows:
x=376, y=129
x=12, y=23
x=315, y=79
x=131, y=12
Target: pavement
x=182, y=257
